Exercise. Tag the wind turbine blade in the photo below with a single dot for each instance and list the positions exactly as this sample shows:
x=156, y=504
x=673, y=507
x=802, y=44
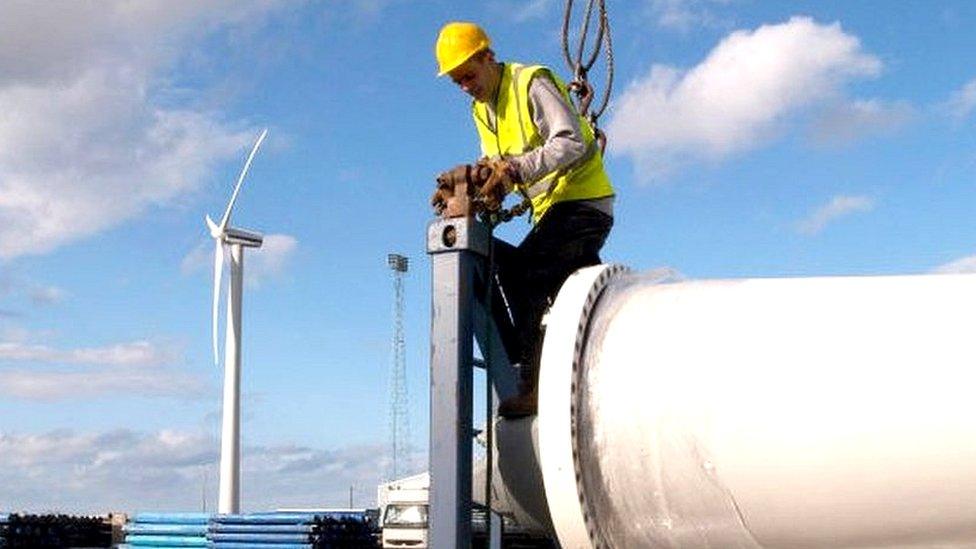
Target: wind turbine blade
x=247, y=165
x=214, y=229
x=218, y=268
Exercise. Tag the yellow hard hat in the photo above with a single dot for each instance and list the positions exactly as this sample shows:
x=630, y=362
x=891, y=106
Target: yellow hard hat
x=457, y=42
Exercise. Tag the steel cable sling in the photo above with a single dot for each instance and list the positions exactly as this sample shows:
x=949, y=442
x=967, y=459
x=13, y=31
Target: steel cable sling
x=580, y=86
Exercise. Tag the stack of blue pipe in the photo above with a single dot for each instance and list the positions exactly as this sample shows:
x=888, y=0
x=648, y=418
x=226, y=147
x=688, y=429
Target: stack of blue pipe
x=167, y=530
x=4, y=519
x=346, y=530
x=267, y=530
x=277, y=530
x=53, y=531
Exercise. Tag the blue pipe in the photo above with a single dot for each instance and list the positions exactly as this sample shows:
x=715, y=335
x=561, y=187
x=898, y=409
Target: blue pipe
x=166, y=529
x=246, y=545
x=165, y=541
x=282, y=518
x=172, y=518
x=343, y=515
x=130, y=546
x=261, y=538
x=262, y=528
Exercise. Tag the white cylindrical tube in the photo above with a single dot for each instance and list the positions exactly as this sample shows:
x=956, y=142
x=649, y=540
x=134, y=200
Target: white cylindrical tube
x=229, y=500
x=787, y=413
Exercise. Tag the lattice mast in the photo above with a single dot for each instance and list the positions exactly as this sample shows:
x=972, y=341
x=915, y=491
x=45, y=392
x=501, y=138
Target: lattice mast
x=399, y=405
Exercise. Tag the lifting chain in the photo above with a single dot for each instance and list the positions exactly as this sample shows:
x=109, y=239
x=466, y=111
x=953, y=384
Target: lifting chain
x=496, y=217
x=580, y=86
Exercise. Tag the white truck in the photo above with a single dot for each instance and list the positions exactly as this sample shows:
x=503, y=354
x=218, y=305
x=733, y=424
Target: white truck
x=403, y=507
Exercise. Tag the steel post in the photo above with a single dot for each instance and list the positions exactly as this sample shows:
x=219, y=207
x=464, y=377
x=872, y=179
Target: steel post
x=457, y=246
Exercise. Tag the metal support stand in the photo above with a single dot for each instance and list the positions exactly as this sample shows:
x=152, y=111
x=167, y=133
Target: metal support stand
x=495, y=530
x=458, y=248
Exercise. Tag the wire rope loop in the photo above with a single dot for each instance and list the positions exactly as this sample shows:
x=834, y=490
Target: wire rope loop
x=584, y=91
x=580, y=68
x=601, y=139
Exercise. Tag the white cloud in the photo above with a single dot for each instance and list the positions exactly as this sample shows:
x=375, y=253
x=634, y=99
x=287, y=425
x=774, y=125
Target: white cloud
x=16, y=291
x=522, y=11
x=958, y=266
x=362, y=13
x=80, y=84
x=304, y=476
x=47, y=295
x=739, y=96
x=61, y=384
x=683, y=15
x=847, y=122
x=839, y=206
x=138, y=368
x=136, y=353
x=60, y=40
x=198, y=258
x=88, y=472
x=371, y=8
x=261, y=264
x=270, y=259
x=19, y=289
x=962, y=103
x=14, y=332
x=533, y=9
x=135, y=471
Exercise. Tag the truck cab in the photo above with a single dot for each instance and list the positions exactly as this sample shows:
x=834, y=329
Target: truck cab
x=403, y=510
x=405, y=524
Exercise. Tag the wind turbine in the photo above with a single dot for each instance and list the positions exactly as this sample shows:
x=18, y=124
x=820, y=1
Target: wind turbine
x=230, y=439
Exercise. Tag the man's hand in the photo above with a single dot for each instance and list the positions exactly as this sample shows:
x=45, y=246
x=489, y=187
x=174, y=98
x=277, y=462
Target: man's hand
x=438, y=200
x=500, y=183
x=446, y=182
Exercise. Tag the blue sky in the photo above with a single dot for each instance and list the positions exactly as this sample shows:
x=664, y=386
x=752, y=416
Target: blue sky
x=746, y=139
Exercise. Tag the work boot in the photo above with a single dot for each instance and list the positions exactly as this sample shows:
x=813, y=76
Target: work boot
x=525, y=403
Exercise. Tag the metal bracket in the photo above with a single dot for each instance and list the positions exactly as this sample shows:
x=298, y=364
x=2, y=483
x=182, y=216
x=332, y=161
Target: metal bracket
x=458, y=234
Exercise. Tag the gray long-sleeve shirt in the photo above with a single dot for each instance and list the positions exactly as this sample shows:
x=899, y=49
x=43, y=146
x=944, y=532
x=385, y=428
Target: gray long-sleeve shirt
x=559, y=126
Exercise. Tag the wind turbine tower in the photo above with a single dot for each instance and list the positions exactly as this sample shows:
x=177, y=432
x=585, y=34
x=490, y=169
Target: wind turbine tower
x=233, y=240
x=399, y=420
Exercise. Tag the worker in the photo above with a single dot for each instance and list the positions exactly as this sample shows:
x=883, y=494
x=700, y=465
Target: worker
x=540, y=147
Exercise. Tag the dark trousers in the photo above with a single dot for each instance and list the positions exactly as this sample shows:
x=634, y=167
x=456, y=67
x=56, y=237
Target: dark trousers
x=568, y=237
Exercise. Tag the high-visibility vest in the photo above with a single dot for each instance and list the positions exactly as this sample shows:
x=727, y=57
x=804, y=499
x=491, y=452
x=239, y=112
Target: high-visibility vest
x=514, y=133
